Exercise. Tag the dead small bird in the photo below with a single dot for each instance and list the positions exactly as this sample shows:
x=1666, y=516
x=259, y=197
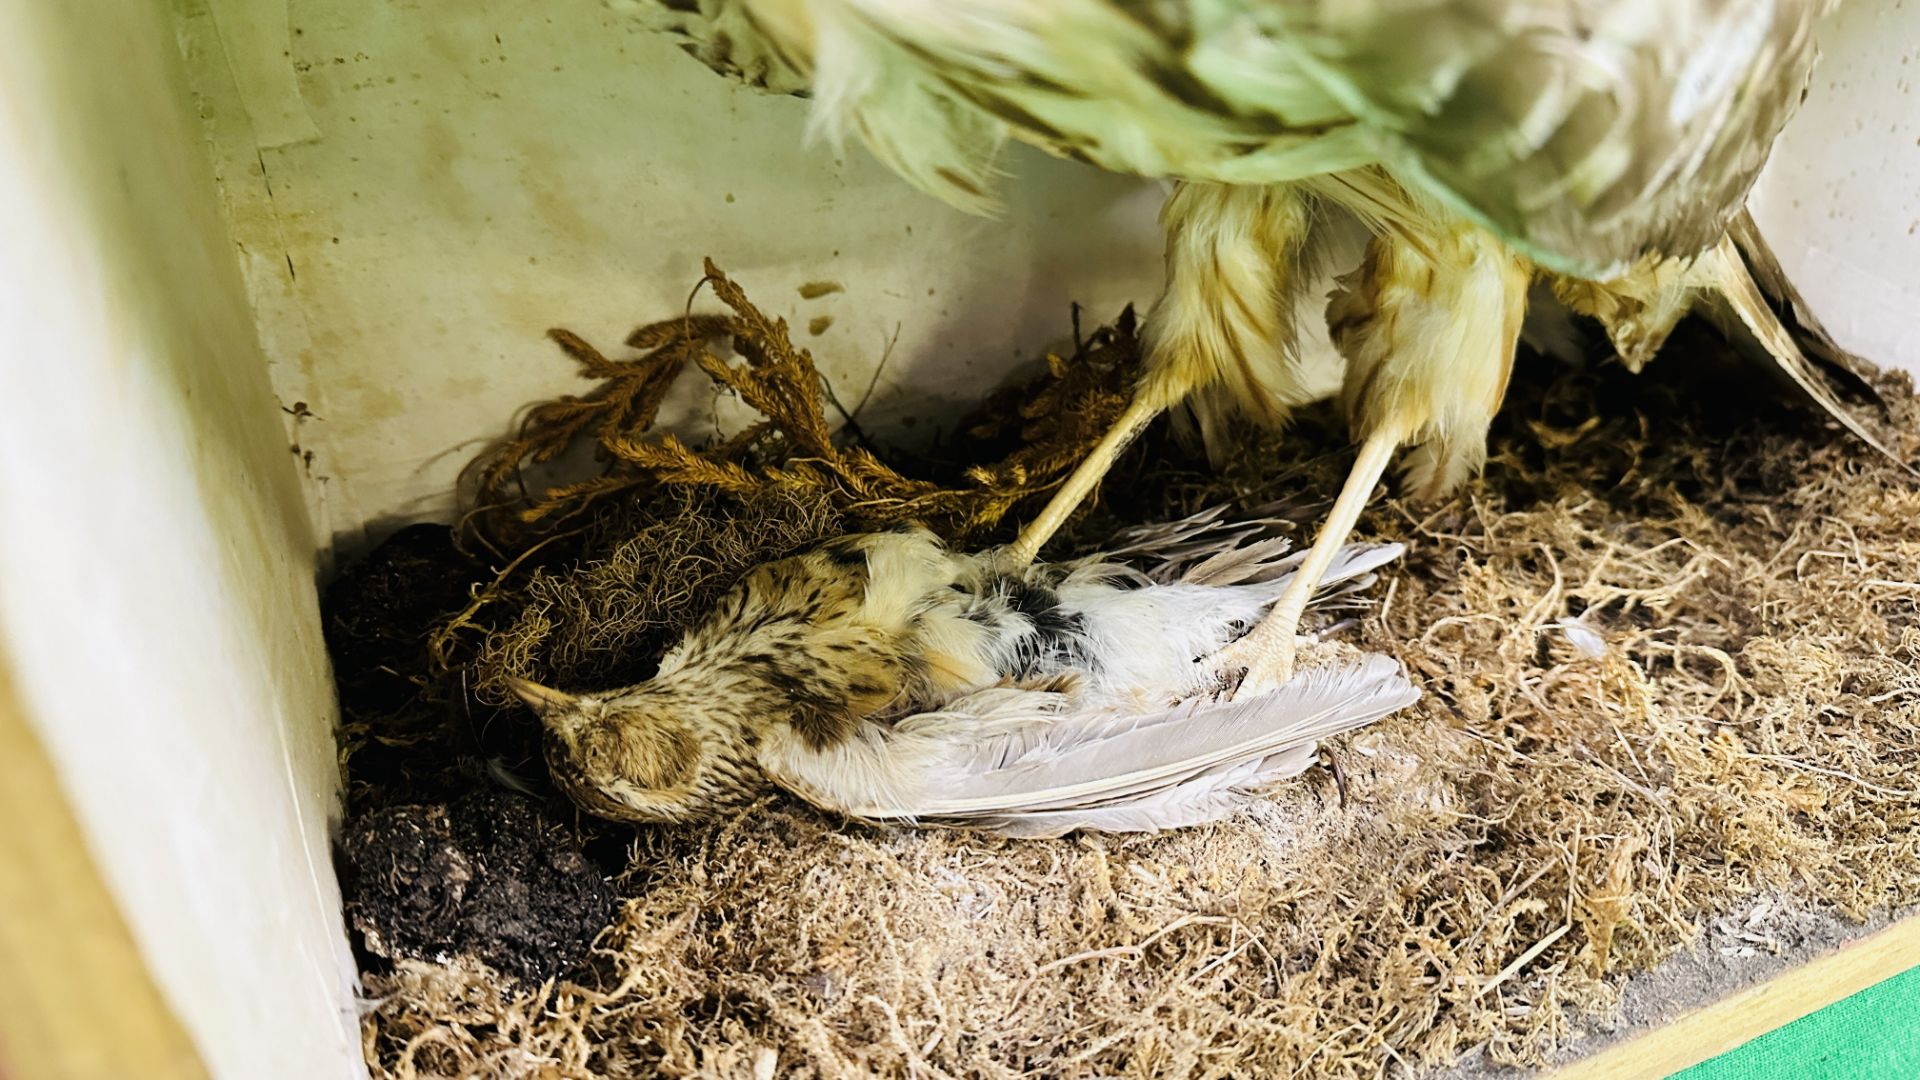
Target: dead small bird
x=881, y=676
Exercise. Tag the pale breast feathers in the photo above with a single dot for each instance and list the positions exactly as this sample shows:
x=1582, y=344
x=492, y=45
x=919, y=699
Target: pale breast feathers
x=1586, y=132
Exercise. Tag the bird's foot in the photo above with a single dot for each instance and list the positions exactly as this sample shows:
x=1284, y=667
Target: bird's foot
x=1260, y=662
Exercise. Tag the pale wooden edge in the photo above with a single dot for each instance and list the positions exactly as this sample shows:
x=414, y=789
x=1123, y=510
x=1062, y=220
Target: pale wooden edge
x=76, y=999
x=1712, y=1030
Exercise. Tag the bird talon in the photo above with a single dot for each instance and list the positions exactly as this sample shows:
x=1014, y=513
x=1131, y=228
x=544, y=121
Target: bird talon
x=1332, y=764
x=1265, y=681
x=1228, y=682
x=1252, y=666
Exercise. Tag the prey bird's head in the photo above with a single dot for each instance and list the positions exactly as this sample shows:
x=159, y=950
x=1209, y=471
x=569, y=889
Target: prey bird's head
x=646, y=753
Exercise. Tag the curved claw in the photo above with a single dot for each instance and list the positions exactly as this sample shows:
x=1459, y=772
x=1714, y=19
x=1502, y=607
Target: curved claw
x=1259, y=662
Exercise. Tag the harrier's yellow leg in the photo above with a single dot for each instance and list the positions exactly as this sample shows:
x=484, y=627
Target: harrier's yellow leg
x=1428, y=325
x=1092, y=469
x=1267, y=651
x=1224, y=320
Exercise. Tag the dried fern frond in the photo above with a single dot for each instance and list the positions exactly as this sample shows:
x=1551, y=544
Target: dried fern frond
x=1059, y=415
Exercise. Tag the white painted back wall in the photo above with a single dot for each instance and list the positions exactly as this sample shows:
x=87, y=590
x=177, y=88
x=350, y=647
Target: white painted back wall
x=157, y=606
x=439, y=182
x=1840, y=200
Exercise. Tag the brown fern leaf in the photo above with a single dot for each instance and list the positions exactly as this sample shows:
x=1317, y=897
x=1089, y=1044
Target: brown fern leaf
x=1028, y=437
x=564, y=499
x=671, y=461
x=687, y=328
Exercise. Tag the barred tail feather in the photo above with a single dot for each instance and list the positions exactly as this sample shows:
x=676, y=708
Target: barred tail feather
x=1735, y=304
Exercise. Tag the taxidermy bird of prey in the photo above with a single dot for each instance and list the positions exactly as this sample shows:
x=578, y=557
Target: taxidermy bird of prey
x=882, y=677
x=1600, y=148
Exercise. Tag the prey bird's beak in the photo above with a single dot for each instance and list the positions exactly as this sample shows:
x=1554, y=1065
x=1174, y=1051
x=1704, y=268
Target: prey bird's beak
x=541, y=699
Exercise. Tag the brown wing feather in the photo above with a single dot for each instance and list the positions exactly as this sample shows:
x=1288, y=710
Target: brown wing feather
x=1586, y=132
x=1798, y=316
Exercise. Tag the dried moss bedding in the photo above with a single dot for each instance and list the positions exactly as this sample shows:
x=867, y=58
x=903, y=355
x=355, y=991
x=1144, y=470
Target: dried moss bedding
x=1671, y=661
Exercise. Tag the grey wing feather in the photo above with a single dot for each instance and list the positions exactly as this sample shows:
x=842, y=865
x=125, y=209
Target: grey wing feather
x=1174, y=550
x=1350, y=571
x=1207, y=797
x=1125, y=772
x=1208, y=548
x=1242, y=564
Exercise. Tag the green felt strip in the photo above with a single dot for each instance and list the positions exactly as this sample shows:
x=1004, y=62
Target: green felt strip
x=1873, y=1035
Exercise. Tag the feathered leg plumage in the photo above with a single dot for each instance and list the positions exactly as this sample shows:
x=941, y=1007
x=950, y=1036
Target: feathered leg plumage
x=1428, y=324
x=1223, y=326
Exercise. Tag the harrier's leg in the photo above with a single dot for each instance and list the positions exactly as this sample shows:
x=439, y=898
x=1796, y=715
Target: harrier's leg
x=1224, y=320
x=1428, y=325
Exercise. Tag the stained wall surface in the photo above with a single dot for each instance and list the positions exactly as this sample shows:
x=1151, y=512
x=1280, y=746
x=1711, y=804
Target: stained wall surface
x=421, y=189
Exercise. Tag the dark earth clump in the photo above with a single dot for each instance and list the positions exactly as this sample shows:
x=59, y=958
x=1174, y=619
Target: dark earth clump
x=379, y=612
x=438, y=859
x=488, y=876
x=403, y=738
